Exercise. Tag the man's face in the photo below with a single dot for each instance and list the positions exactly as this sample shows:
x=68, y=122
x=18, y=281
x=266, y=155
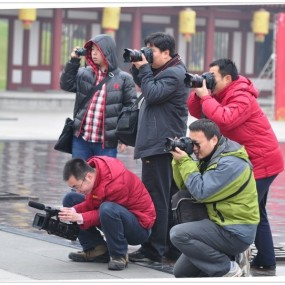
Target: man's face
x=221, y=82
x=96, y=55
x=83, y=186
x=202, y=146
x=159, y=57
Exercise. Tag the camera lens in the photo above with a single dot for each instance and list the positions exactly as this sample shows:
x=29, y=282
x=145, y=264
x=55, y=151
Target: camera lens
x=132, y=55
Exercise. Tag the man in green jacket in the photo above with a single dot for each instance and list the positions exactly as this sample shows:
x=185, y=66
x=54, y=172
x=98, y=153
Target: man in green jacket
x=221, y=177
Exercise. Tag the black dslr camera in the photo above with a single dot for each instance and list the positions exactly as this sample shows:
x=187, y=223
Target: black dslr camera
x=51, y=223
x=133, y=55
x=196, y=81
x=80, y=52
x=183, y=143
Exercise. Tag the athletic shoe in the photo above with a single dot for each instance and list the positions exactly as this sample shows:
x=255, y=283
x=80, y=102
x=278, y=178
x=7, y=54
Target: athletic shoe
x=235, y=270
x=243, y=262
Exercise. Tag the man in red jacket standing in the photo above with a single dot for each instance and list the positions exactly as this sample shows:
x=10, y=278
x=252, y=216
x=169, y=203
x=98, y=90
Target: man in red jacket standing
x=116, y=202
x=233, y=106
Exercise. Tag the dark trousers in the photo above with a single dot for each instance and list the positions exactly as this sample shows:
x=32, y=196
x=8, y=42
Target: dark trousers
x=263, y=240
x=119, y=225
x=158, y=178
x=207, y=249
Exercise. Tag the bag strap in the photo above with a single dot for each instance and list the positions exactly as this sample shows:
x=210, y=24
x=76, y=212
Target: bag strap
x=93, y=90
x=138, y=99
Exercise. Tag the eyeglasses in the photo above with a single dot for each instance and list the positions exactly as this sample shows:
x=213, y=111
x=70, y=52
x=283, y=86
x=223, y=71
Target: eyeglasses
x=196, y=144
x=79, y=187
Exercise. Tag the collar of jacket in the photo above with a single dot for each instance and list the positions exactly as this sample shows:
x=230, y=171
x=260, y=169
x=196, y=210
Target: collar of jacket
x=172, y=62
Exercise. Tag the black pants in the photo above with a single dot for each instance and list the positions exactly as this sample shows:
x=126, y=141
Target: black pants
x=158, y=179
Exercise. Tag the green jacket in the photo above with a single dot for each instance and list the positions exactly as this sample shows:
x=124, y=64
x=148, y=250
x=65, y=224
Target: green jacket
x=227, y=186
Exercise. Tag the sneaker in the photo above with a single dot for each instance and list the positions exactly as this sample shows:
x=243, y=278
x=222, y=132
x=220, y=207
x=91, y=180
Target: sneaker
x=243, y=262
x=98, y=254
x=144, y=256
x=235, y=270
x=118, y=263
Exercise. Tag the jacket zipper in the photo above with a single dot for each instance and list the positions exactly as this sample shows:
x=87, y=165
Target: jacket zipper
x=218, y=212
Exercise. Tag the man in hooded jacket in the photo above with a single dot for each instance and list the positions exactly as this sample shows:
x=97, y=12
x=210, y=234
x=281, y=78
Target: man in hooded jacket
x=95, y=123
x=233, y=106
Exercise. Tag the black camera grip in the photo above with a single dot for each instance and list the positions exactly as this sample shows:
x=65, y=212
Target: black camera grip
x=36, y=205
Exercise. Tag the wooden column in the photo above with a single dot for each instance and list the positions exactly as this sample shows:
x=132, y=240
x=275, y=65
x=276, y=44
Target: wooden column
x=137, y=29
x=210, y=38
x=56, y=49
x=280, y=68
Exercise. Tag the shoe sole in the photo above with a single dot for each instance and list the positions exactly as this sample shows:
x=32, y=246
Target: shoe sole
x=117, y=266
x=95, y=259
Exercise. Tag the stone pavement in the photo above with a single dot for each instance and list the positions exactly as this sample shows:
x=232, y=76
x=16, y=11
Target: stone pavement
x=31, y=169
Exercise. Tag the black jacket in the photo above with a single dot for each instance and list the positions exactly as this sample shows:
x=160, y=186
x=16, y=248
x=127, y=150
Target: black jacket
x=120, y=88
x=163, y=112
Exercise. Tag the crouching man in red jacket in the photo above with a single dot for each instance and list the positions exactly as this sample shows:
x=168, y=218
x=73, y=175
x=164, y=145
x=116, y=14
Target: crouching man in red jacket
x=115, y=201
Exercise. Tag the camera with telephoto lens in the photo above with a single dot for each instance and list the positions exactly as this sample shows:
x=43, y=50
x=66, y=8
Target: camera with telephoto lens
x=134, y=55
x=184, y=143
x=80, y=52
x=196, y=81
x=51, y=223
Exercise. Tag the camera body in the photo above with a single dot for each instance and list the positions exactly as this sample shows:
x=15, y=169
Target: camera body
x=134, y=56
x=51, y=223
x=196, y=81
x=184, y=143
x=80, y=52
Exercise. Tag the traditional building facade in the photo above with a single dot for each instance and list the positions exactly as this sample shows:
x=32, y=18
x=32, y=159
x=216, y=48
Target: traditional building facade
x=35, y=56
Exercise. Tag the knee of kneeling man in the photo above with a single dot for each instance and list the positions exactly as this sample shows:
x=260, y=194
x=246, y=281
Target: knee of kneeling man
x=173, y=233
x=106, y=208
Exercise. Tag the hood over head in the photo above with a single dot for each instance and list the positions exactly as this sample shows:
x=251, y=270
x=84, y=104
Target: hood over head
x=107, y=46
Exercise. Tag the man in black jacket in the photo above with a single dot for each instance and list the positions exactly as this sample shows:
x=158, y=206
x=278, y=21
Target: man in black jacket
x=163, y=114
x=95, y=123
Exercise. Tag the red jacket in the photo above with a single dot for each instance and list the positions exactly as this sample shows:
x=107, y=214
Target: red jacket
x=237, y=113
x=117, y=184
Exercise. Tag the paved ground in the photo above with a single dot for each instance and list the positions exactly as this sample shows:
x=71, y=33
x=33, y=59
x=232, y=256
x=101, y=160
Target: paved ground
x=31, y=169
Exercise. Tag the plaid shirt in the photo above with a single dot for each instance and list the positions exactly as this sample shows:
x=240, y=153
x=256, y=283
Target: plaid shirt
x=93, y=124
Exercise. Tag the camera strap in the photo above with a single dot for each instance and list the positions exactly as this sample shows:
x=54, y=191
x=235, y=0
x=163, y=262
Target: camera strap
x=93, y=90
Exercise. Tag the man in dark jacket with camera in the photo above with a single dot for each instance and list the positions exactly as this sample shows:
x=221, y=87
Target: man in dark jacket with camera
x=163, y=114
x=95, y=123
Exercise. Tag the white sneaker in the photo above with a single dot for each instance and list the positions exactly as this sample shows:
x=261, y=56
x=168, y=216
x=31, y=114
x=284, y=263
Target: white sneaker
x=235, y=270
x=243, y=262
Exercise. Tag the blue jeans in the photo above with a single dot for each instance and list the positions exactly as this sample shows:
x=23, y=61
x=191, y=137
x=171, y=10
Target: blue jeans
x=119, y=225
x=83, y=149
x=263, y=240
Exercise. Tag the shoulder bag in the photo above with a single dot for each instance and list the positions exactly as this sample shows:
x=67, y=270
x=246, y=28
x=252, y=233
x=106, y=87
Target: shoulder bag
x=127, y=123
x=186, y=208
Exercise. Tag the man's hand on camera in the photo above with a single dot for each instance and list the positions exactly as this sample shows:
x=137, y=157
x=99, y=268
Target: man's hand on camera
x=202, y=91
x=138, y=64
x=74, y=54
x=178, y=153
x=70, y=215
